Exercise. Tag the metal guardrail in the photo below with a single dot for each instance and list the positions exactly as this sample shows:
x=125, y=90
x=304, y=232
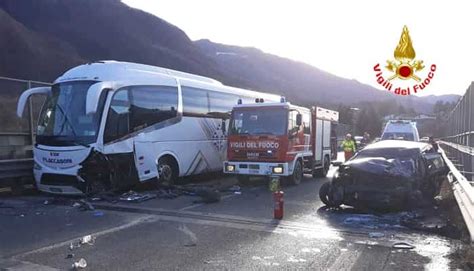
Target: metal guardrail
x=16, y=168
x=17, y=135
x=463, y=192
x=458, y=144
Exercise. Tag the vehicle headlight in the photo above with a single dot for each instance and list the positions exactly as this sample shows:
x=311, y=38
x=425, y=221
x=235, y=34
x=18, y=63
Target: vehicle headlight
x=37, y=166
x=230, y=168
x=277, y=170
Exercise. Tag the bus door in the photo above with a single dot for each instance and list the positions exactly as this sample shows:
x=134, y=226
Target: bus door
x=144, y=158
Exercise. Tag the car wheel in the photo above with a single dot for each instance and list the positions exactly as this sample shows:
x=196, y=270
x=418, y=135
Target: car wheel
x=167, y=171
x=297, y=175
x=328, y=196
x=324, y=193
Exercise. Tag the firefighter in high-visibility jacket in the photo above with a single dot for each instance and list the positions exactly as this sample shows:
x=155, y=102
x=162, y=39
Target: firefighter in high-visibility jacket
x=348, y=146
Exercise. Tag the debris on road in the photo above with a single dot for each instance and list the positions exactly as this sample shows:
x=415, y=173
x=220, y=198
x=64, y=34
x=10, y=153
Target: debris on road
x=88, y=239
x=208, y=196
x=132, y=196
x=80, y=264
x=234, y=188
x=402, y=245
x=83, y=205
x=376, y=234
x=98, y=213
x=168, y=193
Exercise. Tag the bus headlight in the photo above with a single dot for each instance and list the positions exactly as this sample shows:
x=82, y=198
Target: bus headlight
x=277, y=170
x=230, y=168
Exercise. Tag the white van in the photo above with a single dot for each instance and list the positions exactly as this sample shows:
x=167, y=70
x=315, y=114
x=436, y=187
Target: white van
x=401, y=129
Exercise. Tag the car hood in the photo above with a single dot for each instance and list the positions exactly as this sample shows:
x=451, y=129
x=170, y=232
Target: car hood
x=381, y=166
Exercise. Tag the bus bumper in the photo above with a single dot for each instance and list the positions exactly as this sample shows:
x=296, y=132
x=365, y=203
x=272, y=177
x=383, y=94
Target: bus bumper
x=257, y=168
x=64, y=182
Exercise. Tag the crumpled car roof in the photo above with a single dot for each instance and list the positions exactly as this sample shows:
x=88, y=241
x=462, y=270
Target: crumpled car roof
x=403, y=167
x=403, y=144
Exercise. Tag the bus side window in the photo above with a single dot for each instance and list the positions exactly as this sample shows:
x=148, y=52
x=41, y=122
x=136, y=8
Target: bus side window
x=118, y=121
x=222, y=102
x=195, y=101
x=152, y=104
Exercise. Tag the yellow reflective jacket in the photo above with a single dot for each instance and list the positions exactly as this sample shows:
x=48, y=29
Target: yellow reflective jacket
x=348, y=145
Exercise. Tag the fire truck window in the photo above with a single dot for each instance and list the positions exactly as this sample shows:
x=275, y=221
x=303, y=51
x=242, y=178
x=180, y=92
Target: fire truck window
x=306, y=124
x=292, y=127
x=259, y=122
x=152, y=104
x=195, y=101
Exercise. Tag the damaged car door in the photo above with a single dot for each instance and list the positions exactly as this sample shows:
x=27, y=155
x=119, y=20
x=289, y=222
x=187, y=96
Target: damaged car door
x=436, y=171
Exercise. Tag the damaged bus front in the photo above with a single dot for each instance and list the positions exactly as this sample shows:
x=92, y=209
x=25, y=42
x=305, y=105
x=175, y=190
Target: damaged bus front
x=108, y=125
x=66, y=133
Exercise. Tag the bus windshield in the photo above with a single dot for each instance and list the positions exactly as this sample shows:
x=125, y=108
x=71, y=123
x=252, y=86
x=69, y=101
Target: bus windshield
x=258, y=121
x=63, y=120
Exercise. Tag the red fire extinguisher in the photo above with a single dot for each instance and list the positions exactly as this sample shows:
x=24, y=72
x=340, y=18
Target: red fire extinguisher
x=278, y=204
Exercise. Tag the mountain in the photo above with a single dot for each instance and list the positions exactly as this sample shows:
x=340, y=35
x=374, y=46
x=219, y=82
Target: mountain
x=302, y=82
x=101, y=29
x=449, y=98
x=41, y=39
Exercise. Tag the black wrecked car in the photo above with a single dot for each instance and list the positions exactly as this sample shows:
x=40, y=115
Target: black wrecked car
x=389, y=174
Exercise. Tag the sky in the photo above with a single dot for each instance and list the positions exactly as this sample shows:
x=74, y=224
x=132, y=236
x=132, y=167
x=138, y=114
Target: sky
x=345, y=38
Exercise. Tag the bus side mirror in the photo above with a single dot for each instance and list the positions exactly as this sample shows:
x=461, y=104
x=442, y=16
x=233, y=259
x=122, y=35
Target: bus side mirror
x=26, y=94
x=93, y=95
x=299, y=119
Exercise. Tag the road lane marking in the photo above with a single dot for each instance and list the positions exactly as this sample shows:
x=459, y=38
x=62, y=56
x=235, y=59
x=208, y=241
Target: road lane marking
x=15, y=265
x=134, y=222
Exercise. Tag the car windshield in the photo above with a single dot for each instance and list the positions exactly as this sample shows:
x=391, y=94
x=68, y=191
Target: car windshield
x=399, y=136
x=268, y=121
x=63, y=120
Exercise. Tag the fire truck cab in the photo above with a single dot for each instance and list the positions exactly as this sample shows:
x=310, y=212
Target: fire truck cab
x=280, y=139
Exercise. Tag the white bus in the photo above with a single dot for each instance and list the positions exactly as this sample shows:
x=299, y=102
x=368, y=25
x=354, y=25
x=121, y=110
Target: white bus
x=107, y=125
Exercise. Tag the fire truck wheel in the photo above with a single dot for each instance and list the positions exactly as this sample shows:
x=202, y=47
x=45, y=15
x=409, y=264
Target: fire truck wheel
x=322, y=172
x=297, y=175
x=243, y=179
x=167, y=171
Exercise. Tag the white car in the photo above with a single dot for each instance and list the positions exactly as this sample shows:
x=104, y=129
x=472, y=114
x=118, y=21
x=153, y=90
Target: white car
x=401, y=130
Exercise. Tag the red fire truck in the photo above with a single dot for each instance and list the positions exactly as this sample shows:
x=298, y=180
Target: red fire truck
x=280, y=139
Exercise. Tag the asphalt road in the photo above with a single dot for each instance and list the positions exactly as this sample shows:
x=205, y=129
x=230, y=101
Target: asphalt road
x=237, y=233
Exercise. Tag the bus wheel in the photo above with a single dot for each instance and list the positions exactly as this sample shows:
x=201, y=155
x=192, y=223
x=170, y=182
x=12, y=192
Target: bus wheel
x=297, y=175
x=167, y=171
